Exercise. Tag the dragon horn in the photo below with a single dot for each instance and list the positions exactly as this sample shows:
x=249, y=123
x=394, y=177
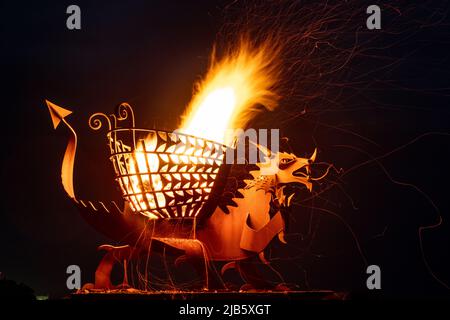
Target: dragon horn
x=313, y=157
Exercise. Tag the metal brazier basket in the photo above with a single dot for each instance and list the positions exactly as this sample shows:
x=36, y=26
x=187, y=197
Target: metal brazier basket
x=163, y=175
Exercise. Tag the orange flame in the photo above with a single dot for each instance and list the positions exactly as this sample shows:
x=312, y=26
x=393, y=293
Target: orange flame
x=233, y=90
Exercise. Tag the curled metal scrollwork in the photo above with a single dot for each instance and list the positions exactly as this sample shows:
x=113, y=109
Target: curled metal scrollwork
x=123, y=112
x=96, y=121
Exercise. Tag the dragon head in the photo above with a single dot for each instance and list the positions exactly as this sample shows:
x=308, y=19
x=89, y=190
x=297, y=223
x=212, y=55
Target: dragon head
x=280, y=169
x=286, y=168
x=293, y=169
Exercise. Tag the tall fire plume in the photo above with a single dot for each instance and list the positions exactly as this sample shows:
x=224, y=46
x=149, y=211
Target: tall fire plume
x=238, y=85
x=243, y=81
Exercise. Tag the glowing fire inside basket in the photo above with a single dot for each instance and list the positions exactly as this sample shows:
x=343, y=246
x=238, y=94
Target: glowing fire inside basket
x=165, y=175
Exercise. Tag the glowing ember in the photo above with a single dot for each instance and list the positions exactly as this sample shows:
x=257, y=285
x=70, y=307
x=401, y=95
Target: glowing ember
x=234, y=87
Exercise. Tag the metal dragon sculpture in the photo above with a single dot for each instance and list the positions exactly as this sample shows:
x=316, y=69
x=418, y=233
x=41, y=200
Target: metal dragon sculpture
x=234, y=224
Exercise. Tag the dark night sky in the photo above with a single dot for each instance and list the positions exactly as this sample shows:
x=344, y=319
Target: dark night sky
x=149, y=53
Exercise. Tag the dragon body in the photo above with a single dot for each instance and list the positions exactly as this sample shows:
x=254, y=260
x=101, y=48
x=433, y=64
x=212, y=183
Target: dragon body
x=235, y=231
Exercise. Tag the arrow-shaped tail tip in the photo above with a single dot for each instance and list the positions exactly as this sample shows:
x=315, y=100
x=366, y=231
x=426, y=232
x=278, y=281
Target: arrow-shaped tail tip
x=56, y=113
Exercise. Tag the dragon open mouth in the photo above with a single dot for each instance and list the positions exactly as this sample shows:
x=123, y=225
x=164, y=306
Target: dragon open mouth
x=301, y=172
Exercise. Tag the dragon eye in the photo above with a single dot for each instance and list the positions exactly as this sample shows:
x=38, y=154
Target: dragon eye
x=285, y=162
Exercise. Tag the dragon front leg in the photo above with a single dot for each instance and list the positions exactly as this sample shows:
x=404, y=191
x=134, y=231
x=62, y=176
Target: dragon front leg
x=257, y=241
x=103, y=273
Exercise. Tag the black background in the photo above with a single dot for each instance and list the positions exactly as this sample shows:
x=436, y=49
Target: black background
x=150, y=54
